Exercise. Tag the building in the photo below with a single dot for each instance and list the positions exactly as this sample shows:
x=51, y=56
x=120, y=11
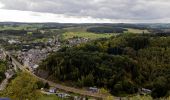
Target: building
x=53, y=90
x=79, y=98
x=144, y=91
x=9, y=73
x=63, y=95
x=93, y=89
x=1, y=55
x=13, y=41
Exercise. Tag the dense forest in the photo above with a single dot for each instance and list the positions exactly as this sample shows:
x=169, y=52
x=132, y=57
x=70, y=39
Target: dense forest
x=122, y=64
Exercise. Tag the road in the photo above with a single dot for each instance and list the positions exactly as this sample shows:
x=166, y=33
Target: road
x=59, y=86
x=3, y=84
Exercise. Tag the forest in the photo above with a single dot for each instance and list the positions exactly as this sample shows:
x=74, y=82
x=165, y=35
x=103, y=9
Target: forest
x=2, y=70
x=122, y=64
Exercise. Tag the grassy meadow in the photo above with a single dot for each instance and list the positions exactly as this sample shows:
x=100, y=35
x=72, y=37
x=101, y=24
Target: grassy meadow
x=132, y=30
x=69, y=35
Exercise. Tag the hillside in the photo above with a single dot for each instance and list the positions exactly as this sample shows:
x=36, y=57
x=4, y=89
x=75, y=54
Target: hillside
x=122, y=64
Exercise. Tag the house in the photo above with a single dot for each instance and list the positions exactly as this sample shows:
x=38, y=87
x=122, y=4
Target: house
x=63, y=95
x=9, y=73
x=53, y=90
x=93, y=89
x=13, y=41
x=144, y=91
x=79, y=98
x=35, y=66
x=1, y=55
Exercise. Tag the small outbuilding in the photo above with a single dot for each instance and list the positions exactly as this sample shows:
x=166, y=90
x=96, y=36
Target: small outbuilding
x=93, y=89
x=63, y=95
x=53, y=90
x=144, y=91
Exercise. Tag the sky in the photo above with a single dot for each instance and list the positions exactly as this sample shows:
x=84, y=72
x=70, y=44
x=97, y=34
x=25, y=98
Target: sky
x=85, y=11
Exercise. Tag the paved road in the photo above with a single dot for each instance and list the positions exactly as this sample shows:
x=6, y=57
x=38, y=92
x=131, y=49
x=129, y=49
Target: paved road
x=3, y=84
x=59, y=86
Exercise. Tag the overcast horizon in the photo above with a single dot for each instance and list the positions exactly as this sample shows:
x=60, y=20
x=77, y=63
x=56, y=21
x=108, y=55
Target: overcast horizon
x=89, y=11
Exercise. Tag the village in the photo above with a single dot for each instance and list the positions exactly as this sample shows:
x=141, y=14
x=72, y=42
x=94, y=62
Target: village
x=32, y=54
x=31, y=57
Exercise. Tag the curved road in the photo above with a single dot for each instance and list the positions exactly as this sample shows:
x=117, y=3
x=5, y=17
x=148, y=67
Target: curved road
x=59, y=86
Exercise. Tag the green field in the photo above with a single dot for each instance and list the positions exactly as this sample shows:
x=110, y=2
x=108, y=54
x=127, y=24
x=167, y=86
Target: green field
x=69, y=35
x=49, y=97
x=132, y=30
x=13, y=28
x=21, y=27
x=75, y=29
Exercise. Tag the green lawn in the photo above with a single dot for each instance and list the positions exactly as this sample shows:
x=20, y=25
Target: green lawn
x=75, y=29
x=69, y=35
x=138, y=97
x=49, y=97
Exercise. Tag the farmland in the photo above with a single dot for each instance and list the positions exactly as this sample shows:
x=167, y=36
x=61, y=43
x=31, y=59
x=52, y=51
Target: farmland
x=69, y=35
x=132, y=30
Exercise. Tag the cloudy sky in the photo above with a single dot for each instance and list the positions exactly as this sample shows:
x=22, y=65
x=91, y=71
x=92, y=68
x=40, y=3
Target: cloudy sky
x=86, y=11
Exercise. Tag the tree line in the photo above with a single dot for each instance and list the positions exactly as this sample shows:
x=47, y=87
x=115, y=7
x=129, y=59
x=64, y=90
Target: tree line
x=105, y=29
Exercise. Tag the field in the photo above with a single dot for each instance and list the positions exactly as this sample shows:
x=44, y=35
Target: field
x=10, y=28
x=21, y=27
x=72, y=32
x=49, y=97
x=75, y=29
x=131, y=30
x=69, y=35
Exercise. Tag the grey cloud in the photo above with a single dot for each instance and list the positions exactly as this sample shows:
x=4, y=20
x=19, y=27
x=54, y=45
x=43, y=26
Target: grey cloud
x=109, y=9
